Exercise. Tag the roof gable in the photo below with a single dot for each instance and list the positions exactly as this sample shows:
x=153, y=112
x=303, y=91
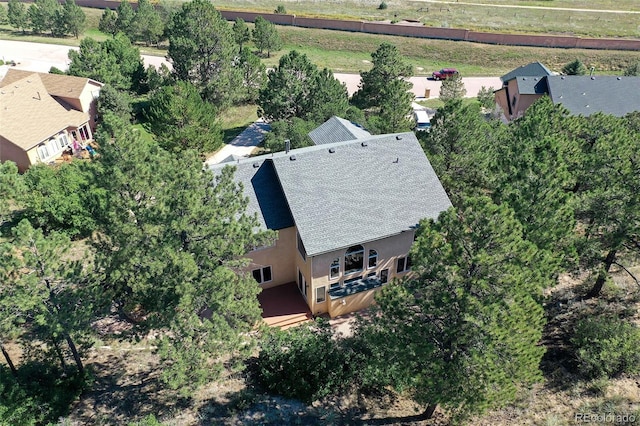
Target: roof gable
x=584, y=95
x=337, y=129
x=65, y=86
x=532, y=85
x=534, y=69
x=29, y=115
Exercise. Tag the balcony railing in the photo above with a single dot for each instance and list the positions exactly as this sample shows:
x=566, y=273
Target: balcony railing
x=355, y=287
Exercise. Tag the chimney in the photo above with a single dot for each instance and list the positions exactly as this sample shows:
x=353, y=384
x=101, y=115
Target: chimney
x=591, y=71
x=287, y=145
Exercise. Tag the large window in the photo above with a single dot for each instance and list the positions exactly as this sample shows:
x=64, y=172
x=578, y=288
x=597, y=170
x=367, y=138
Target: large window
x=262, y=275
x=43, y=153
x=404, y=264
x=384, y=276
x=321, y=294
x=354, y=260
x=335, y=268
x=373, y=258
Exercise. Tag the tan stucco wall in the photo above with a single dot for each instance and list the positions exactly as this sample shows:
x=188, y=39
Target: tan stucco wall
x=305, y=268
x=524, y=102
x=501, y=100
x=11, y=152
x=389, y=249
x=356, y=302
x=280, y=257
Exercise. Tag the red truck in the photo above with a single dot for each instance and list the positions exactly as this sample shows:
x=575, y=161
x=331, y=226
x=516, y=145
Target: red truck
x=444, y=73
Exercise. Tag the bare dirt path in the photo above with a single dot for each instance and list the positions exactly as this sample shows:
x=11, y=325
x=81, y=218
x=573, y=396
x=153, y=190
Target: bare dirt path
x=512, y=6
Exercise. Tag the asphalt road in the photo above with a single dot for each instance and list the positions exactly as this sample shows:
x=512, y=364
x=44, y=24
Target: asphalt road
x=41, y=57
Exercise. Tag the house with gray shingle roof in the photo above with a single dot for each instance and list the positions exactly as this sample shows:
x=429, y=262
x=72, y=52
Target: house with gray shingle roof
x=345, y=212
x=337, y=129
x=580, y=94
x=42, y=114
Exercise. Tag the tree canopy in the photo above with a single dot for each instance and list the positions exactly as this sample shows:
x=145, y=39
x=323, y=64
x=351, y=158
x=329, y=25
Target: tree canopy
x=181, y=120
x=384, y=93
x=296, y=88
x=463, y=332
x=265, y=36
x=202, y=50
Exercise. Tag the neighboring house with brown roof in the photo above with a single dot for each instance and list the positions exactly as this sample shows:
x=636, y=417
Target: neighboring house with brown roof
x=42, y=114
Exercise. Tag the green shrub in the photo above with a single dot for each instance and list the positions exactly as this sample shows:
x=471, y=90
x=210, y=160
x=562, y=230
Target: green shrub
x=606, y=347
x=382, y=6
x=280, y=9
x=304, y=362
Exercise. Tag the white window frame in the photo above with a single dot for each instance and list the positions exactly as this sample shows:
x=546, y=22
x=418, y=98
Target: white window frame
x=358, y=251
x=334, y=264
x=372, y=256
x=42, y=148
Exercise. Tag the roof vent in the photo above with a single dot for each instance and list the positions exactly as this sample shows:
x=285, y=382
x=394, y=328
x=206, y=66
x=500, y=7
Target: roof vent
x=292, y=158
x=619, y=78
x=364, y=144
x=562, y=78
x=397, y=160
x=332, y=150
x=524, y=78
x=593, y=78
x=398, y=138
x=256, y=165
x=584, y=93
x=287, y=145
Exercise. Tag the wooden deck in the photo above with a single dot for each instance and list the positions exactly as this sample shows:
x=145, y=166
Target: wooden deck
x=283, y=306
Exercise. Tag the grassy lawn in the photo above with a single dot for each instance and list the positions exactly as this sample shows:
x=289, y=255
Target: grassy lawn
x=471, y=14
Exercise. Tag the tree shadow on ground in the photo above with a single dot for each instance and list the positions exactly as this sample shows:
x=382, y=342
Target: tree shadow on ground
x=126, y=387
x=564, y=308
x=230, y=134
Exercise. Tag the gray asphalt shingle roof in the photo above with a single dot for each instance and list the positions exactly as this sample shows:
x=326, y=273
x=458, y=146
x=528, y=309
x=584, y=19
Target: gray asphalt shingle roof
x=531, y=85
x=363, y=191
x=344, y=193
x=534, y=69
x=261, y=187
x=337, y=129
x=584, y=95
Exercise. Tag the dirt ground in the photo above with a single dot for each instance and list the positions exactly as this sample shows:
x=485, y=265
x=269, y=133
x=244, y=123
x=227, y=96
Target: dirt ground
x=127, y=386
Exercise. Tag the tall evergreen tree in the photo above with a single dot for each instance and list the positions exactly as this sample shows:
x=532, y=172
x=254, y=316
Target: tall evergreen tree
x=42, y=15
x=384, y=92
x=17, y=14
x=254, y=75
x=51, y=294
x=73, y=18
x=241, y=32
x=126, y=16
x=296, y=88
x=464, y=331
x=181, y=120
x=202, y=51
x=265, y=36
x=452, y=88
x=147, y=23
x=108, y=22
x=171, y=248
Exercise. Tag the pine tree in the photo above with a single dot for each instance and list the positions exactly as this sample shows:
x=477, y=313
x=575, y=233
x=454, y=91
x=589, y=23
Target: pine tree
x=463, y=332
x=384, y=92
x=452, y=88
x=265, y=36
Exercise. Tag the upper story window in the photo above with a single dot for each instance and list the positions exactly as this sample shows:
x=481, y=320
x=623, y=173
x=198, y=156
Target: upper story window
x=354, y=259
x=373, y=258
x=404, y=264
x=335, y=268
x=301, y=248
